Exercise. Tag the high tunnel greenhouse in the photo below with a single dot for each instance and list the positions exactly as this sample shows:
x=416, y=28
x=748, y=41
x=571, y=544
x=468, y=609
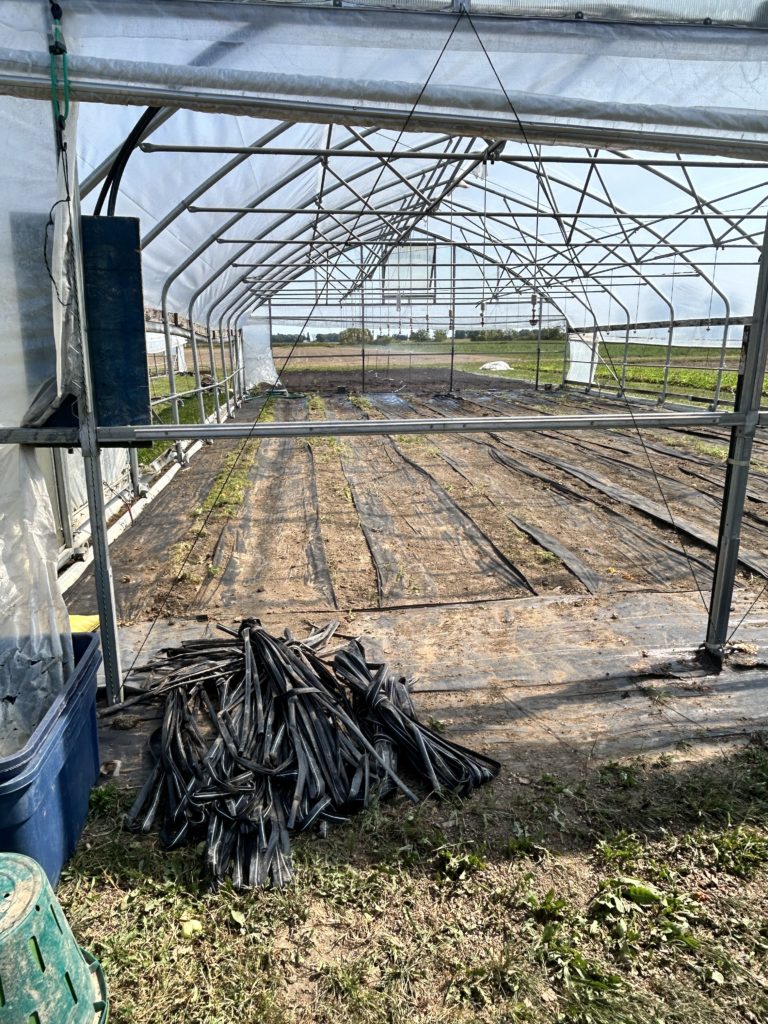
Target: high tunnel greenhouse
x=416, y=177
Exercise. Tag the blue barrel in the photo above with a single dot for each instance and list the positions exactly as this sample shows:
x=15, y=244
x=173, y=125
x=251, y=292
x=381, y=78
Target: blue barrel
x=44, y=787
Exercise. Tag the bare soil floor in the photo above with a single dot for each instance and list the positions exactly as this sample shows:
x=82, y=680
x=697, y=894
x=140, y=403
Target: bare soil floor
x=485, y=564
x=547, y=591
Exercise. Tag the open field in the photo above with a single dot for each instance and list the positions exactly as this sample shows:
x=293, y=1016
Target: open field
x=693, y=370
x=544, y=589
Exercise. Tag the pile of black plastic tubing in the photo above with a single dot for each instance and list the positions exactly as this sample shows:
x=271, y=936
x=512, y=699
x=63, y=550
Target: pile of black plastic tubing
x=263, y=737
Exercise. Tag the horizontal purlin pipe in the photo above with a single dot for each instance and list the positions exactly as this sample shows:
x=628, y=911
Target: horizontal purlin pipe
x=153, y=147
x=582, y=244
x=496, y=214
x=644, y=325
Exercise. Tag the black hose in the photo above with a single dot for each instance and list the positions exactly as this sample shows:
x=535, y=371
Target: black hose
x=114, y=176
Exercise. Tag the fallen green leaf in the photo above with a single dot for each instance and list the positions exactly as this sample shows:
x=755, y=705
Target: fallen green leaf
x=190, y=928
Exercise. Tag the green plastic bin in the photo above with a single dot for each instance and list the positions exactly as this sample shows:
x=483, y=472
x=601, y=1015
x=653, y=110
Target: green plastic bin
x=45, y=978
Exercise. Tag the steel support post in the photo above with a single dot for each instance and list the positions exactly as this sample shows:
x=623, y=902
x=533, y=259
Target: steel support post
x=233, y=374
x=453, y=316
x=63, y=499
x=171, y=375
x=214, y=376
x=566, y=351
x=593, y=359
x=94, y=485
x=236, y=359
x=105, y=591
x=624, y=361
x=362, y=336
x=133, y=466
x=241, y=359
x=748, y=396
x=235, y=388
x=721, y=362
x=239, y=347
x=226, y=343
x=538, y=347
x=196, y=367
x=667, y=360
x=224, y=370
x=236, y=363
x=271, y=336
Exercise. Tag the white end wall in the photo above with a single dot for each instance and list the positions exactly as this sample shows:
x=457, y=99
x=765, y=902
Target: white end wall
x=257, y=353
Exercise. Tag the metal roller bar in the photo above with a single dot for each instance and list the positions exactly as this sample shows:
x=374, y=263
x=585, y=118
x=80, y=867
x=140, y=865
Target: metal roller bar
x=36, y=84
x=474, y=424
x=40, y=437
x=581, y=244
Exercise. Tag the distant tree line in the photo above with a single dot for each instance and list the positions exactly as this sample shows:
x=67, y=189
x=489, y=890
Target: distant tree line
x=499, y=334
x=288, y=339
x=360, y=335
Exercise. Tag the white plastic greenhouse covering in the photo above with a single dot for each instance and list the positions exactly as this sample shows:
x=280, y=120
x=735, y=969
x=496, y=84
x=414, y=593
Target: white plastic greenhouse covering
x=632, y=79
x=258, y=364
x=156, y=346
x=35, y=650
x=582, y=360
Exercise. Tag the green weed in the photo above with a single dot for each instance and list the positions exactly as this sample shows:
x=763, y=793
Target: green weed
x=547, y=908
x=489, y=981
x=361, y=403
x=317, y=406
x=739, y=851
x=625, y=776
x=228, y=489
x=456, y=866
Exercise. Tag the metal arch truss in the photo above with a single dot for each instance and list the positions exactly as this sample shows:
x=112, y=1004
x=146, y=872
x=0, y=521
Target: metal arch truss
x=392, y=192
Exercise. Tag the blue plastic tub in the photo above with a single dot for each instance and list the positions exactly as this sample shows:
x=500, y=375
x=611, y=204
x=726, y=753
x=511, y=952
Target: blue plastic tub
x=44, y=787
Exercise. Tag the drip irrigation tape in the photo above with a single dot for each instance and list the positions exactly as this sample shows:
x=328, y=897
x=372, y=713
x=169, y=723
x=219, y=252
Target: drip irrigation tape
x=263, y=738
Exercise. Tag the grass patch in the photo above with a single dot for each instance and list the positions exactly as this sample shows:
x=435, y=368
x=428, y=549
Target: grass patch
x=718, y=452
x=635, y=894
x=697, y=382
x=228, y=489
x=420, y=441
x=739, y=851
x=327, y=448
x=361, y=402
x=712, y=451
x=497, y=979
x=189, y=410
x=178, y=562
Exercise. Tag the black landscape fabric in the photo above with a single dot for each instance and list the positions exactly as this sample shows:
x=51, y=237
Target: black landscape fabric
x=263, y=737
